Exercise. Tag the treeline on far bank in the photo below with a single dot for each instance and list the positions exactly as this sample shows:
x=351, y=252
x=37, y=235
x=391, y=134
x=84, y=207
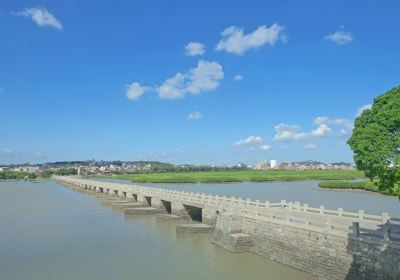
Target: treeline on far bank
x=21, y=175
x=355, y=185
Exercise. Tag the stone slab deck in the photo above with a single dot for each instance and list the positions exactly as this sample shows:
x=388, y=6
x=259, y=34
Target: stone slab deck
x=142, y=211
x=110, y=202
x=168, y=218
x=126, y=204
x=193, y=228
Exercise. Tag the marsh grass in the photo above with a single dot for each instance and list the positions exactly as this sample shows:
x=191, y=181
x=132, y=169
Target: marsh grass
x=242, y=176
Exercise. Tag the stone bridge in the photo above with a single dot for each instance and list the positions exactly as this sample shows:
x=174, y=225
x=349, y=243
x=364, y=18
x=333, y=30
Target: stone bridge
x=331, y=244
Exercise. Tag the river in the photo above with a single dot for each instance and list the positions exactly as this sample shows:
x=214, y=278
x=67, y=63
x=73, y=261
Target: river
x=52, y=232
x=49, y=231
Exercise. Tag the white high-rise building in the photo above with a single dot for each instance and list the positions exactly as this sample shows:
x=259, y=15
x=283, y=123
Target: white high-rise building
x=273, y=163
x=263, y=165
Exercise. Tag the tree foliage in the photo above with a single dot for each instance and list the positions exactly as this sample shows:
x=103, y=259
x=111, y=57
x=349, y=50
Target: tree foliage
x=16, y=175
x=376, y=141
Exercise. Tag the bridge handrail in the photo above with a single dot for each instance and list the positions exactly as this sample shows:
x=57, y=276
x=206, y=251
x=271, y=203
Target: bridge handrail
x=244, y=203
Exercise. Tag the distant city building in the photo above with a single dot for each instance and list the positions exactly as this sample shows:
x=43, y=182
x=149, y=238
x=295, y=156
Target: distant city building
x=273, y=163
x=263, y=165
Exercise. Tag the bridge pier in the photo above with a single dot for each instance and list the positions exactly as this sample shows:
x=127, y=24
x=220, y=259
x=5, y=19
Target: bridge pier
x=179, y=209
x=145, y=200
x=209, y=216
x=159, y=204
x=131, y=196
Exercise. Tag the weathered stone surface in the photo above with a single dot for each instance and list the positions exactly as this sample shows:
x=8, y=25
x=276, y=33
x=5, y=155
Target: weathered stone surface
x=110, y=202
x=323, y=252
x=141, y=211
x=126, y=204
x=168, y=218
x=193, y=228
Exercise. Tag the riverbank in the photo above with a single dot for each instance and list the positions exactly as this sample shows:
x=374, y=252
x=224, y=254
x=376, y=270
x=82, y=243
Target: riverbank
x=351, y=185
x=241, y=176
x=22, y=175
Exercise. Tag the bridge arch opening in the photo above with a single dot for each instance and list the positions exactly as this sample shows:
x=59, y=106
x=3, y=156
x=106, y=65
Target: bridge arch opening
x=195, y=213
x=124, y=194
x=101, y=190
x=115, y=192
x=134, y=196
x=147, y=200
x=167, y=206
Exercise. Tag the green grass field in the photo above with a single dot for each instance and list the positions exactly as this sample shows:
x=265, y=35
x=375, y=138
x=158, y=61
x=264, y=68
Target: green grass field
x=242, y=176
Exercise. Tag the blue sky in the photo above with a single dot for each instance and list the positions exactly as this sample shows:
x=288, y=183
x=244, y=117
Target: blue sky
x=202, y=82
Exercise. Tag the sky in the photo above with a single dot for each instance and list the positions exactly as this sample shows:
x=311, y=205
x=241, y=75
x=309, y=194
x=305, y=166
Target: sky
x=201, y=82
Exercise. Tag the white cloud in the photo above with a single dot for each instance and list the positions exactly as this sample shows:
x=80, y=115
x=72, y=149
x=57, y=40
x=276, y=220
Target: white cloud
x=310, y=146
x=195, y=116
x=41, y=17
x=321, y=131
x=340, y=37
x=265, y=148
x=135, y=90
x=363, y=108
x=251, y=140
x=289, y=133
x=235, y=41
x=204, y=77
x=345, y=124
x=238, y=78
x=338, y=121
x=195, y=48
x=292, y=133
x=345, y=132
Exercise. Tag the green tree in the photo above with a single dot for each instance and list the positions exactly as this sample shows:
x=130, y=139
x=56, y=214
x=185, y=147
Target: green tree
x=376, y=141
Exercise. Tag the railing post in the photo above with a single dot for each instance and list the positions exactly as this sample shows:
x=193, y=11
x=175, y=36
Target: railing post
x=266, y=204
x=361, y=214
x=283, y=203
x=248, y=201
x=385, y=217
x=322, y=209
x=386, y=233
x=305, y=207
x=340, y=212
x=257, y=203
x=356, y=229
x=297, y=205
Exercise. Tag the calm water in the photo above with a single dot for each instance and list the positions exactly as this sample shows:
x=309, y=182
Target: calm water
x=305, y=192
x=51, y=232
